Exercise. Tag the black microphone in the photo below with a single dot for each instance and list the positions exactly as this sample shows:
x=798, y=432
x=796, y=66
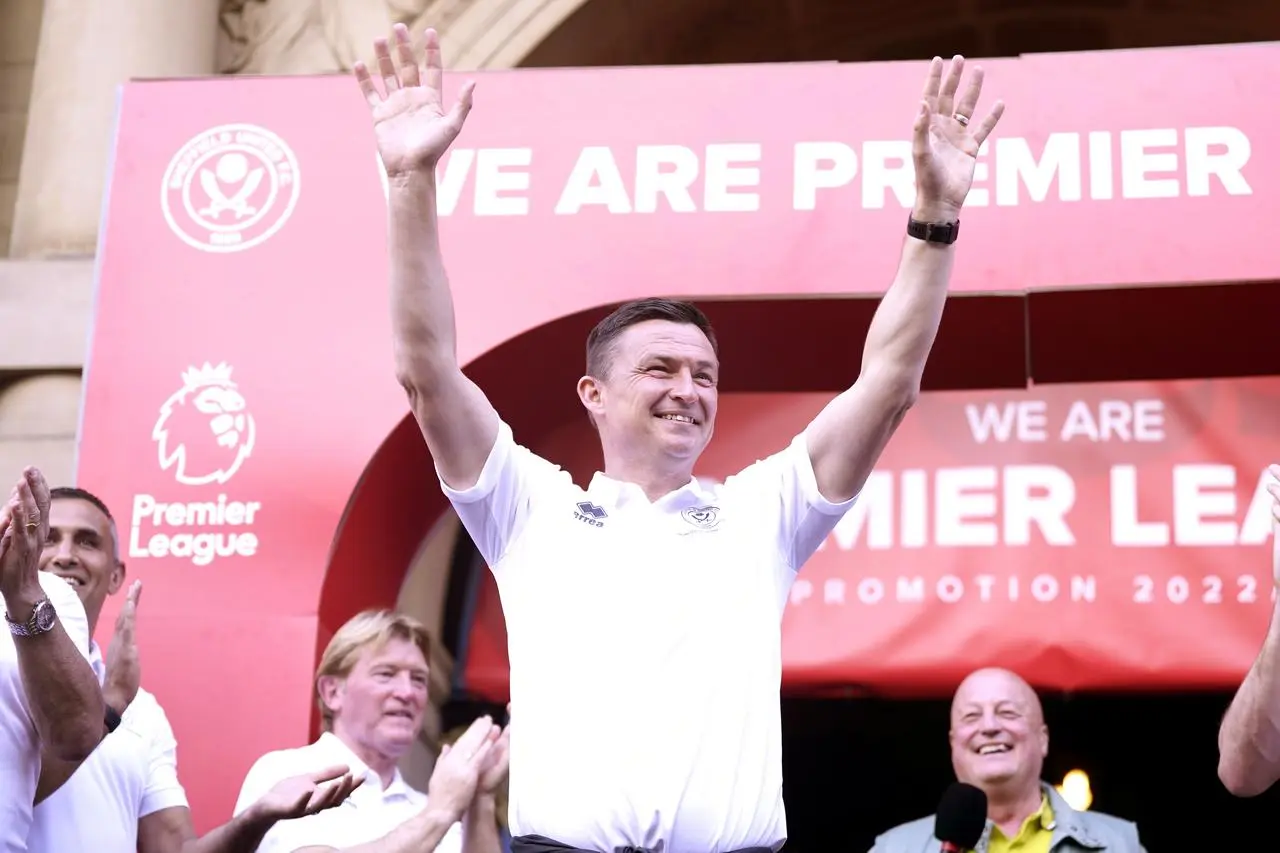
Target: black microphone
x=962, y=815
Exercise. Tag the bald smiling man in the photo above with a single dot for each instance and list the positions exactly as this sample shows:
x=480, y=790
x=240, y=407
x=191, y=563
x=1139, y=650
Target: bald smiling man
x=998, y=743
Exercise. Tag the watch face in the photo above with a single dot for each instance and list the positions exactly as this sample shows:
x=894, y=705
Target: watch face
x=44, y=616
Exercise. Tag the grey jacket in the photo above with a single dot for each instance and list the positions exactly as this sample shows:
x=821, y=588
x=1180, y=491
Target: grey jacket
x=1073, y=832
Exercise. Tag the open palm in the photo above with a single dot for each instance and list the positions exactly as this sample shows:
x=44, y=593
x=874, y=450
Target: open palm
x=945, y=141
x=411, y=125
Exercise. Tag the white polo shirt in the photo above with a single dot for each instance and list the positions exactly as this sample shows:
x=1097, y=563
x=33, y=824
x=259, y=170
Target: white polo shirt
x=132, y=773
x=19, y=743
x=368, y=814
x=645, y=645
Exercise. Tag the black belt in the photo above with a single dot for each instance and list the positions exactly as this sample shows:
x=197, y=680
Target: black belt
x=542, y=844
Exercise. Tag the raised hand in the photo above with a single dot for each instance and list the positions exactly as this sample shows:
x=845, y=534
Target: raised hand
x=300, y=796
x=24, y=527
x=124, y=670
x=946, y=140
x=410, y=122
x=457, y=774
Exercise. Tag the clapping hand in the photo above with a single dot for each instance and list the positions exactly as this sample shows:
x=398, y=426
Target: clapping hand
x=946, y=139
x=412, y=127
x=494, y=772
x=24, y=527
x=301, y=796
x=458, y=771
x=124, y=670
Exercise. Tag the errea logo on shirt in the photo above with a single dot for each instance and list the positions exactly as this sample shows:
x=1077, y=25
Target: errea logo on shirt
x=589, y=513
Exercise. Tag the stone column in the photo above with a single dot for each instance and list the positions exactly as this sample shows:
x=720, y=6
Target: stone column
x=86, y=50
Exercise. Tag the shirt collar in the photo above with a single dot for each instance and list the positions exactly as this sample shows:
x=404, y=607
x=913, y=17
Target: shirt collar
x=338, y=752
x=1044, y=815
x=619, y=493
x=1066, y=822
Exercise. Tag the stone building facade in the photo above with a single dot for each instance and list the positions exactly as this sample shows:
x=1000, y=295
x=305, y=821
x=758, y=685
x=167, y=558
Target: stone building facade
x=61, y=61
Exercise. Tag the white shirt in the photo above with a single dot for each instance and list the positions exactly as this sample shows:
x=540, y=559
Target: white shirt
x=132, y=773
x=368, y=814
x=19, y=743
x=645, y=642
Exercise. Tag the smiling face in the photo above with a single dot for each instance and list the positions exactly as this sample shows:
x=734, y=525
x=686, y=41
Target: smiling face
x=657, y=398
x=81, y=549
x=998, y=736
x=378, y=708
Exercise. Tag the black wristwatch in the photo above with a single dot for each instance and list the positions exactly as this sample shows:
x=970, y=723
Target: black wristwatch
x=112, y=719
x=933, y=232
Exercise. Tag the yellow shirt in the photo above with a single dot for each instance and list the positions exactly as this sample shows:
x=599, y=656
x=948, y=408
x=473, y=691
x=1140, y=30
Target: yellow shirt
x=1032, y=838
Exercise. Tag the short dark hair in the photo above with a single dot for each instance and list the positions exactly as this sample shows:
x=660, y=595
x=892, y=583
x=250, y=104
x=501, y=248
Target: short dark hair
x=601, y=340
x=71, y=493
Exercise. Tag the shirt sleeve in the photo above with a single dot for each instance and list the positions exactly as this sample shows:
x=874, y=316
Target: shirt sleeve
x=162, y=789
x=494, y=511
x=785, y=490
x=69, y=609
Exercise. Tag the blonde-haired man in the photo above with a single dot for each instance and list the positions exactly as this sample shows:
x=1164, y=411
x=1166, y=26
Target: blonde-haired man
x=371, y=686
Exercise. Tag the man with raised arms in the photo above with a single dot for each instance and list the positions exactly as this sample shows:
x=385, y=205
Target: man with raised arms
x=656, y=596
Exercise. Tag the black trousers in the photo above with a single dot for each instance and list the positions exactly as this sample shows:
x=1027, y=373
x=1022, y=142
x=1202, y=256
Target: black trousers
x=542, y=844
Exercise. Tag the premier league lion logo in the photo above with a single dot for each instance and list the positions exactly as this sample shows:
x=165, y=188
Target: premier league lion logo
x=204, y=432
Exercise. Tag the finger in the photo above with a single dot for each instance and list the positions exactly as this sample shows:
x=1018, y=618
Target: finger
x=365, y=81
x=36, y=524
x=434, y=63
x=126, y=620
x=301, y=803
x=335, y=793
x=920, y=131
x=348, y=788
x=972, y=91
x=404, y=54
x=475, y=735
x=328, y=774
x=983, y=130
x=323, y=796
x=462, y=107
x=344, y=788
x=130, y=609
x=444, y=750
x=933, y=82
x=314, y=803
x=1274, y=470
x=386, y=67
x=482, y=753
x=39, y=489
x=23, y=507
x=950, y=83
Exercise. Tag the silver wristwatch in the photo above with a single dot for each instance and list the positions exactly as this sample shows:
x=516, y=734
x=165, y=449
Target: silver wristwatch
x=42, y=618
